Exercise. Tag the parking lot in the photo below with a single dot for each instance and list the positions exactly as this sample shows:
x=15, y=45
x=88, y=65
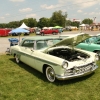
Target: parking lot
x=4, y=43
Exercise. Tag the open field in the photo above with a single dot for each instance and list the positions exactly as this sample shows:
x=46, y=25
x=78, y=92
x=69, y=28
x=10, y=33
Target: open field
x=21, y=82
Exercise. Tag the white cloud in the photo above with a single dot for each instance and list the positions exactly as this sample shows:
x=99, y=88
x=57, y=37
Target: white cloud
x=2, y=17
x=45, y=6
x=25, y=10
x=17, y=0
x=85, y=13
x=79, y=11
x=94, y=13
x=69, y=3
x=96, y=8
x=7, y=14
x=31, y=15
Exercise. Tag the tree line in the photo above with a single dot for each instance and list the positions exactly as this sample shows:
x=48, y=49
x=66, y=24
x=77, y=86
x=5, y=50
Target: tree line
x=58, y=18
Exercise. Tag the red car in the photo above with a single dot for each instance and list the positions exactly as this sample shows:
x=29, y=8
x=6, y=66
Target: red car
x=49, y=31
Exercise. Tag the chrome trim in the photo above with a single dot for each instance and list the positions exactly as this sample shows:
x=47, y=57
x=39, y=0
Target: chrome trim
x=59, y=77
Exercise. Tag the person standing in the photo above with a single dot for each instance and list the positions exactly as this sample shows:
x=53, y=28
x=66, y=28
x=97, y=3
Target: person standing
x=60, y=30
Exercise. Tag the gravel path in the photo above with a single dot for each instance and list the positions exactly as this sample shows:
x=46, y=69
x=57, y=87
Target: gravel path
x=4, y=44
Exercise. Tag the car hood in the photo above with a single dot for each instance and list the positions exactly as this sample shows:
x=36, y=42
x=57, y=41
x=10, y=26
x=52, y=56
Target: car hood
x=71, y=41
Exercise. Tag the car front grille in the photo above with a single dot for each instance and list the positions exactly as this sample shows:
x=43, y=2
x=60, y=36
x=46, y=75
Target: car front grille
x=80, y=69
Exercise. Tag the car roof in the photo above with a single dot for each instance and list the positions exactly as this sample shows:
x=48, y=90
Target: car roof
x=41, y=37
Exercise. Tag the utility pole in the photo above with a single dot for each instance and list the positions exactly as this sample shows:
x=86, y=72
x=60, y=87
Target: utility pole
x=94, y=19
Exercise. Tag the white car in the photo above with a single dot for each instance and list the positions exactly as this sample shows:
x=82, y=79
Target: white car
x=57, y=59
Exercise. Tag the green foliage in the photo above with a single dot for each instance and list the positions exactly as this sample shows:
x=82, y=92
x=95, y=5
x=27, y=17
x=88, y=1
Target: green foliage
x=68, y=23
x=58, y=19
x=29, y=22
x=75, y=24
x=44, y=22
x=21, y=82
x=32, y=22
x=87, y=21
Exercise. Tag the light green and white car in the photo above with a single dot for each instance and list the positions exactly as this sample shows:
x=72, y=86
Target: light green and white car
x=51, y=56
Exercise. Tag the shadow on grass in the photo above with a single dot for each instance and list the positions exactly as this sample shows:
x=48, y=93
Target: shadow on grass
x=75, y=80
x=42, y=76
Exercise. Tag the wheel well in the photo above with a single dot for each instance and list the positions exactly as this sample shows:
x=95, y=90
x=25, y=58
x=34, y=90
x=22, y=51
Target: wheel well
x=14, y=54
x=44, y=68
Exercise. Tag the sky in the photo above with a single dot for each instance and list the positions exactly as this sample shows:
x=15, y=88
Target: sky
x=16, y=10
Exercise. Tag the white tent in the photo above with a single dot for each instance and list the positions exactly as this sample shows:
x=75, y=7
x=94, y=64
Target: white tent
x=82, y=25
x=24, y=26
x=45, y=28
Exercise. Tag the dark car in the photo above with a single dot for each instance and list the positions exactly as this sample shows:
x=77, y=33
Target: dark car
x=68, y=29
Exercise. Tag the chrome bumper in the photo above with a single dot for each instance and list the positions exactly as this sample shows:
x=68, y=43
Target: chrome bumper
x=75, y=75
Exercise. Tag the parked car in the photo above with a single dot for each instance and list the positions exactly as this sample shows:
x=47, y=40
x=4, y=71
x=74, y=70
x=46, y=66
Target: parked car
x=68, y=29
x=90, y=44
x=52, y=57
x=37, y=31
x=49, y=31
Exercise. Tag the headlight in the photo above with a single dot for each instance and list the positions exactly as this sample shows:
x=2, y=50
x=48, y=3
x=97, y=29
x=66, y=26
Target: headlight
x=64, y=64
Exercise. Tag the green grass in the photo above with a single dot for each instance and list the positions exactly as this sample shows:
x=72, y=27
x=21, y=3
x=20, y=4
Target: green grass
x=21, y=82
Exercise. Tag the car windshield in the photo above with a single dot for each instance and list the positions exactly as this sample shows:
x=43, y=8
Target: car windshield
x=91, y=40
x=46, y=43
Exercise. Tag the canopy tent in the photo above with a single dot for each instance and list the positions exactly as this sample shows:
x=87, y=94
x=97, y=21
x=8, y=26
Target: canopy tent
x=45, y=28
x=18, y=31
x=50, y=27
x=24, y=26
x=82, y=25
x=57, y=27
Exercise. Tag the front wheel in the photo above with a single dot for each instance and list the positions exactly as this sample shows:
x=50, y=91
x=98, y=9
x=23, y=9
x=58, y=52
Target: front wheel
x=50, y=74
x=16, y=58
x=42, y=34
x=54, y=33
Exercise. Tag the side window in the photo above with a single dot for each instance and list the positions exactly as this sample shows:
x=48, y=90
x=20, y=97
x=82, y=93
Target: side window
x=41, y=44
x=50, y=42
x=87, y=41
x=28, y=43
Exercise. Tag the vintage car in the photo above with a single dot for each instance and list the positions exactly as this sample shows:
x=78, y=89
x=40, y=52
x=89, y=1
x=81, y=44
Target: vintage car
x=90, y=44
x=52, y=57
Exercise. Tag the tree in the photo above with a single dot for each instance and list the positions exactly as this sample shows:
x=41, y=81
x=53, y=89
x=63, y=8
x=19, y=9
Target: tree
x=32, y=22
x=75, y=23
x=58, y=18
x=13, y=24
x=43, y=22
x=25, y=21
x=3, y=25
x=68, y=23
x=87, y=21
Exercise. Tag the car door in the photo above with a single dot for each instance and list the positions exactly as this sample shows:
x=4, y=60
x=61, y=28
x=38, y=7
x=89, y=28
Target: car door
x=86, y=45
x=27, y=51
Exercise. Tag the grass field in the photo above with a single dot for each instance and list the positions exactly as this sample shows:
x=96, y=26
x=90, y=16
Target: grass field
x=21, y=82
